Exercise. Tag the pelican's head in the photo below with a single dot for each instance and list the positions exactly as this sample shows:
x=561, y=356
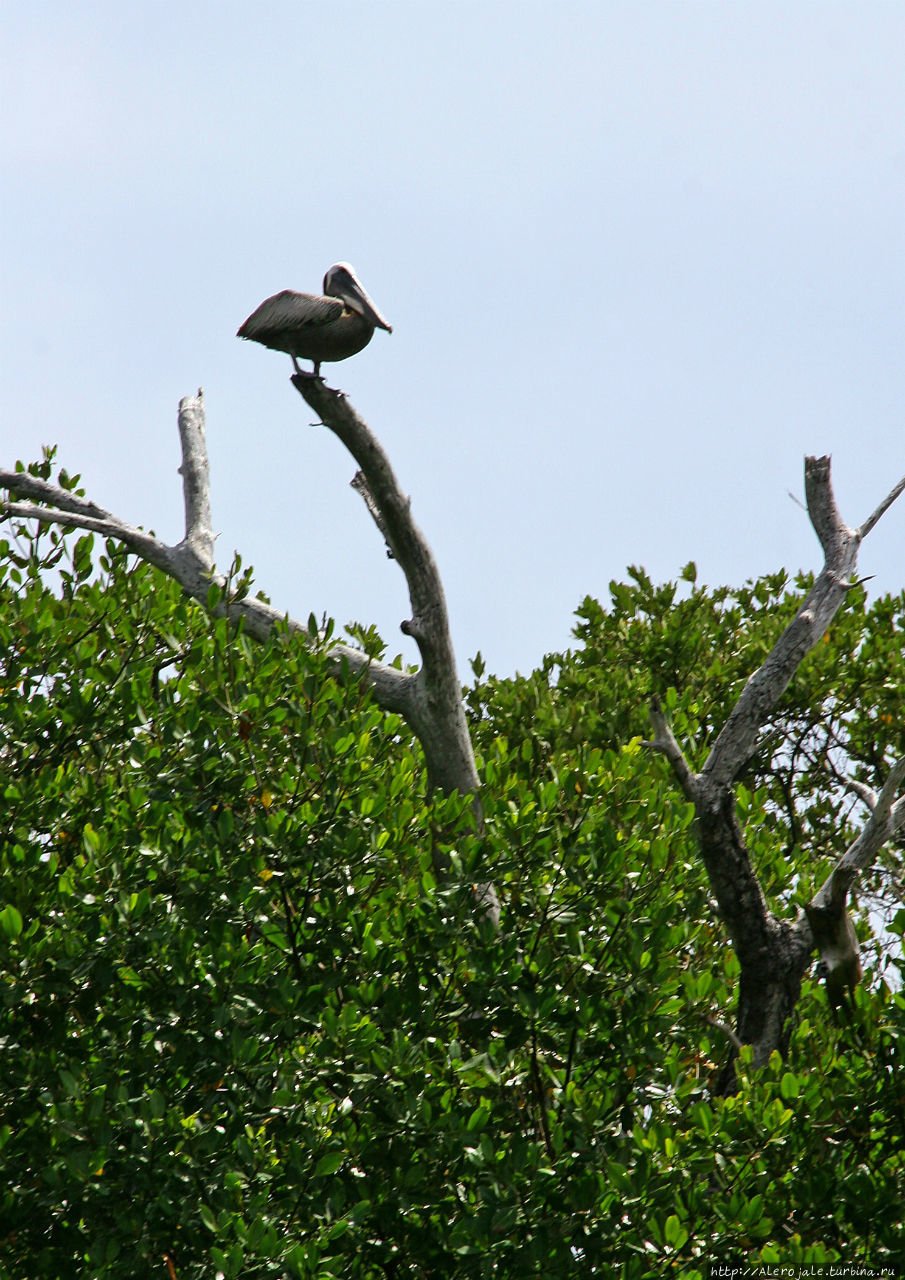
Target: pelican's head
x=342, y=282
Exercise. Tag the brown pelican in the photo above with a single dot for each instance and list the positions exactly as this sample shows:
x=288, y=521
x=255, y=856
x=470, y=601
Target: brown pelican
x=328, y=328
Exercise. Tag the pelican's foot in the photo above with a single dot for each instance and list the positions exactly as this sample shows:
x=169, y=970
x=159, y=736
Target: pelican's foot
x=306, y=373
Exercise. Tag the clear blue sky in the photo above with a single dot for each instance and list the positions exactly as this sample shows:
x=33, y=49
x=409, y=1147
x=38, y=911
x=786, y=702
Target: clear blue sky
x=639, y=259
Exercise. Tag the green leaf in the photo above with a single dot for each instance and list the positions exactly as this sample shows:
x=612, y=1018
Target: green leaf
x=674, y=1233
x=11, y=921
x=478, y=1119
x=789, y=1086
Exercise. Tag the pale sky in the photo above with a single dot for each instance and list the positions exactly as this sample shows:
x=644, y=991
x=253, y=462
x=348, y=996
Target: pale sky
x=639, y=258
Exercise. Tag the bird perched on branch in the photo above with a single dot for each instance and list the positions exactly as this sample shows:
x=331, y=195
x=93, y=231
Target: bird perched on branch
x=317, y=328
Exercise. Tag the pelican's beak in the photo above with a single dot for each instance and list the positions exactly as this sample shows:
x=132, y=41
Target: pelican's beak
x=342, y=282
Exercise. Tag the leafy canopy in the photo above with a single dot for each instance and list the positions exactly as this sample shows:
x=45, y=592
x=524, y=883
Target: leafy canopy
x=246, y=1031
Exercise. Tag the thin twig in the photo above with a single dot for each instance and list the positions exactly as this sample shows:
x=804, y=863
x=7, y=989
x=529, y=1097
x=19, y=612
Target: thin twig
x=882, y=508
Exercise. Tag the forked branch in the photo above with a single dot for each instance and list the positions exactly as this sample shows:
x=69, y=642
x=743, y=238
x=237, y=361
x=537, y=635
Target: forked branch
x=886, y=817
x=774, y=954
x=190, y=562
x=739, y=734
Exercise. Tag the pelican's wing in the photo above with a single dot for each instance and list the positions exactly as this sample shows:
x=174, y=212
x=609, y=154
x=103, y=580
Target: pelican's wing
x=289, y=312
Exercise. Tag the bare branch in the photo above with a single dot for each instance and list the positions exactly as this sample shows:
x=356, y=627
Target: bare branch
x=143, y=544
x=738, y=736
x=825, y=922
x=405, y=539
x=22, y=482
x=437, y=714
x=190, y=562
x=828, y=524
x=886, y=817
x=882, y=508
x=664, y=741
x=724, y=1030
x=196, y=485
x=862, y=791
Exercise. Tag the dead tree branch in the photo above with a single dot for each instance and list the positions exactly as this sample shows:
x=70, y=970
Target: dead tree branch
x=886, y=817
x=190, y=562
x=435, y=709
x=739, y=734
x=664, y=741
x=825, y=922
x=774, y=954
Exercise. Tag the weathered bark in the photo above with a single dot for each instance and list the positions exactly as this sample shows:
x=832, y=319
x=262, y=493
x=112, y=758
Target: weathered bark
x=435, y=710
x=774, y=955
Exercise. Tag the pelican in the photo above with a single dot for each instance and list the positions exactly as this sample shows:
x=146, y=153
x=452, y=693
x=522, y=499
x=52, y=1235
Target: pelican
x=332, y=327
